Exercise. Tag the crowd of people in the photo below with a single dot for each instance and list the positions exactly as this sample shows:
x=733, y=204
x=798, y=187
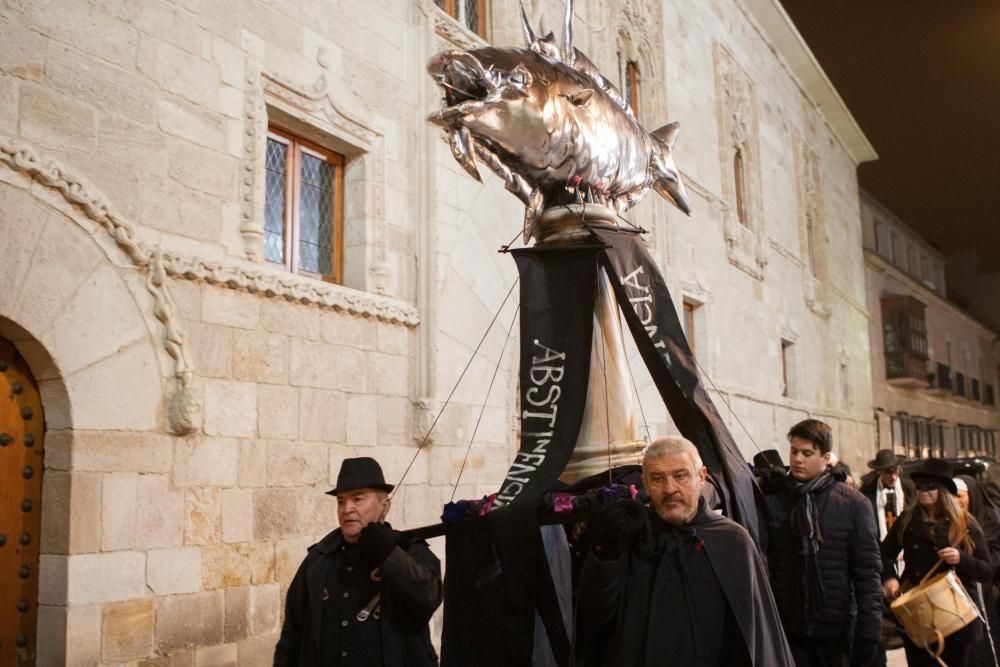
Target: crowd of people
x=666, y=579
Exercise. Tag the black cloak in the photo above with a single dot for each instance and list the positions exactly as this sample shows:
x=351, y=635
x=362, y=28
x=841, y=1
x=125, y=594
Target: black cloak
x=619, y=590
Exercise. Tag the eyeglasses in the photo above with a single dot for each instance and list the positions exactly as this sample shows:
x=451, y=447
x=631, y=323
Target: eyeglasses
x=926, y=485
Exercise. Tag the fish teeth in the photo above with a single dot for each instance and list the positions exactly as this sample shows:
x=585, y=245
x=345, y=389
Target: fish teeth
x=463, y=147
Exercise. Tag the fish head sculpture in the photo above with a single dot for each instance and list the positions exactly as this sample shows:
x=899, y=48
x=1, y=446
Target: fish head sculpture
x=546, y=121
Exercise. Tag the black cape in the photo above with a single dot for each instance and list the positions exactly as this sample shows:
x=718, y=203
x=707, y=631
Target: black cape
x=621, y=586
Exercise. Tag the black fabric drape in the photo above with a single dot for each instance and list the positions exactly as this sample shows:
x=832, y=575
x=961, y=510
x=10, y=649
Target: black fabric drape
x=652, y=318
x=558, y=286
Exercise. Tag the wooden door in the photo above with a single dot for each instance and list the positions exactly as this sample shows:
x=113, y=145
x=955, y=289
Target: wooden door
x=21, y=429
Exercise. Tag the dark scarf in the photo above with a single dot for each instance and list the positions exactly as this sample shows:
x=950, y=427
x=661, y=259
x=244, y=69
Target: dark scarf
x=804, y=524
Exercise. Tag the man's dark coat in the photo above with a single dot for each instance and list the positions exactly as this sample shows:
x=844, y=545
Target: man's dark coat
x=410, y=590
x=869, y=487
x=619, y=592
x=849, y=562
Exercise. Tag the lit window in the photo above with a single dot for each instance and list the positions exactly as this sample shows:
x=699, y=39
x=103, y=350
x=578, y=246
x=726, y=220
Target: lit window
x=304, y=207
x=470, y=13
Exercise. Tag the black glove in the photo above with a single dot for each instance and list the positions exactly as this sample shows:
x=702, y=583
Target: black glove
x=864, y=652
x=376, y=542
x=614, y=526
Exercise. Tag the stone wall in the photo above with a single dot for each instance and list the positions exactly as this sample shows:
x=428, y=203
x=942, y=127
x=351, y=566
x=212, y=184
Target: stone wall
x=199, y=402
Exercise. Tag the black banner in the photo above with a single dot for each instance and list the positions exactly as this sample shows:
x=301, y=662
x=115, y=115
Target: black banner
x=558, y=286
x=652, y=318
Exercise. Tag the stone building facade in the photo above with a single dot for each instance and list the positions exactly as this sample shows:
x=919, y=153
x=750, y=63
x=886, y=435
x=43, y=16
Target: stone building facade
x=934, y=366
x=198, y=399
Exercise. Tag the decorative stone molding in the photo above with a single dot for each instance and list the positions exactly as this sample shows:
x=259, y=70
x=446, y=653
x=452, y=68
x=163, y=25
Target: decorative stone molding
x=812, y=233
x=313, y=106
x=292, y=287
x=251, y=187
x=746, y=242
x=184, y=412
x=454, y=32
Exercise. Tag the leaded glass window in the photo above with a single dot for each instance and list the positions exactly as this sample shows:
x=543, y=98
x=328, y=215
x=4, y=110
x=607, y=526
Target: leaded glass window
x=303, y=208
x=470, y=13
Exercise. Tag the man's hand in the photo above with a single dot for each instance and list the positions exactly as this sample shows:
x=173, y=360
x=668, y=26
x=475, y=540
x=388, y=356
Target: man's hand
x=949, y=555
x=891, y=588
x=615, y=525
x=376, y=542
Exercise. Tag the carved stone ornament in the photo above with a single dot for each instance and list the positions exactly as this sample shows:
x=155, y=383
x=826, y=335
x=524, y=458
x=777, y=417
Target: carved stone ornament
x=746, y=241
x=19, y=157
x=812, y=232
x=183, y=409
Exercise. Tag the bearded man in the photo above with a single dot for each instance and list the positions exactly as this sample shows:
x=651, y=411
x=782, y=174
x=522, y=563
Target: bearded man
x=674, y=582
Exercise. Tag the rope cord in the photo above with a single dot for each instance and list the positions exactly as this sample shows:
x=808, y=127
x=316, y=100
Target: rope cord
x=472, y=438
x=726, y=401
x=453, y=389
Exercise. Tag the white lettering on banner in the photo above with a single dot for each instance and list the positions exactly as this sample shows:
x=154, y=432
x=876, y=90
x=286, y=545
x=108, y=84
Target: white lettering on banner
x=537, y=422
x=642, y=304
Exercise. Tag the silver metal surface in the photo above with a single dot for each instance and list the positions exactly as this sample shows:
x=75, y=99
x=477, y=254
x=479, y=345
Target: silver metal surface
x=547, y=122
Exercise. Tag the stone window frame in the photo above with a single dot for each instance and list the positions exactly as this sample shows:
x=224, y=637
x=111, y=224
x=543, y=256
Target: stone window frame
x=746, y=240
x=453, y=31
x=310, y=112
x=452, y=9
x=812, y=228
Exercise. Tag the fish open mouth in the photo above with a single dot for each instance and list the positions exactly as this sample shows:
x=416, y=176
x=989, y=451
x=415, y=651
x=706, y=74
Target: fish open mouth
x=463, y=79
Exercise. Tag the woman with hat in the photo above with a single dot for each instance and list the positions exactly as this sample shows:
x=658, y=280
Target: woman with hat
x=937, y=529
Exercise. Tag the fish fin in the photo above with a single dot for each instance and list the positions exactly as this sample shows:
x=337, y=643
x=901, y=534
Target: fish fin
x=532, y=212
x=668, y=133
x=463, y=147
x=581, y=98
x=529, y=34
x=674, y=192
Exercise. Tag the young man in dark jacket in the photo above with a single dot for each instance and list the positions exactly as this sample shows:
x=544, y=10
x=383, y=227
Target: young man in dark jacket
x=362, y=596
x=823, y=556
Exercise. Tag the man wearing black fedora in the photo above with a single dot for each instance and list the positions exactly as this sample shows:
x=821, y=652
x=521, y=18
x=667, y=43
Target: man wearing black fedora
x=886, y=489
x=363, y=595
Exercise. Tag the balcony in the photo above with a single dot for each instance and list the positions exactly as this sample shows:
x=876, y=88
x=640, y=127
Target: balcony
x=988, y=397
x=904, y=335
x=975, y=394
x=959, y=388
x=939, y=380
x=905, y=369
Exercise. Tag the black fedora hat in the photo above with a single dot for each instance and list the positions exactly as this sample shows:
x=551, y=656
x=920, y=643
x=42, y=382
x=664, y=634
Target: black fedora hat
x=938, y=470
x=768, y=458
x=885, y=458
x=363, y=472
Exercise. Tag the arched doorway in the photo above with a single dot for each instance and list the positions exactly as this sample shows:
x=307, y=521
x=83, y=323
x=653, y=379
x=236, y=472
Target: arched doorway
x=22, y=427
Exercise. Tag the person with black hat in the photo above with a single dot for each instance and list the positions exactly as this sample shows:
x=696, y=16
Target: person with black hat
x=937, y=529
x=886, y=490
x=363, y=595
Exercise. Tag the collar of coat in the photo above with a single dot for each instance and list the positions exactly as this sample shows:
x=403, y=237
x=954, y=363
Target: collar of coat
x=332, y=542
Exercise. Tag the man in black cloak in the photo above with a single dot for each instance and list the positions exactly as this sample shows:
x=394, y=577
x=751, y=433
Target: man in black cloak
x=673, y=581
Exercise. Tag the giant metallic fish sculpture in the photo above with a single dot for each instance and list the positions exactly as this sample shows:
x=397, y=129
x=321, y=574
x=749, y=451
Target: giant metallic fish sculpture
x=551, y=126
